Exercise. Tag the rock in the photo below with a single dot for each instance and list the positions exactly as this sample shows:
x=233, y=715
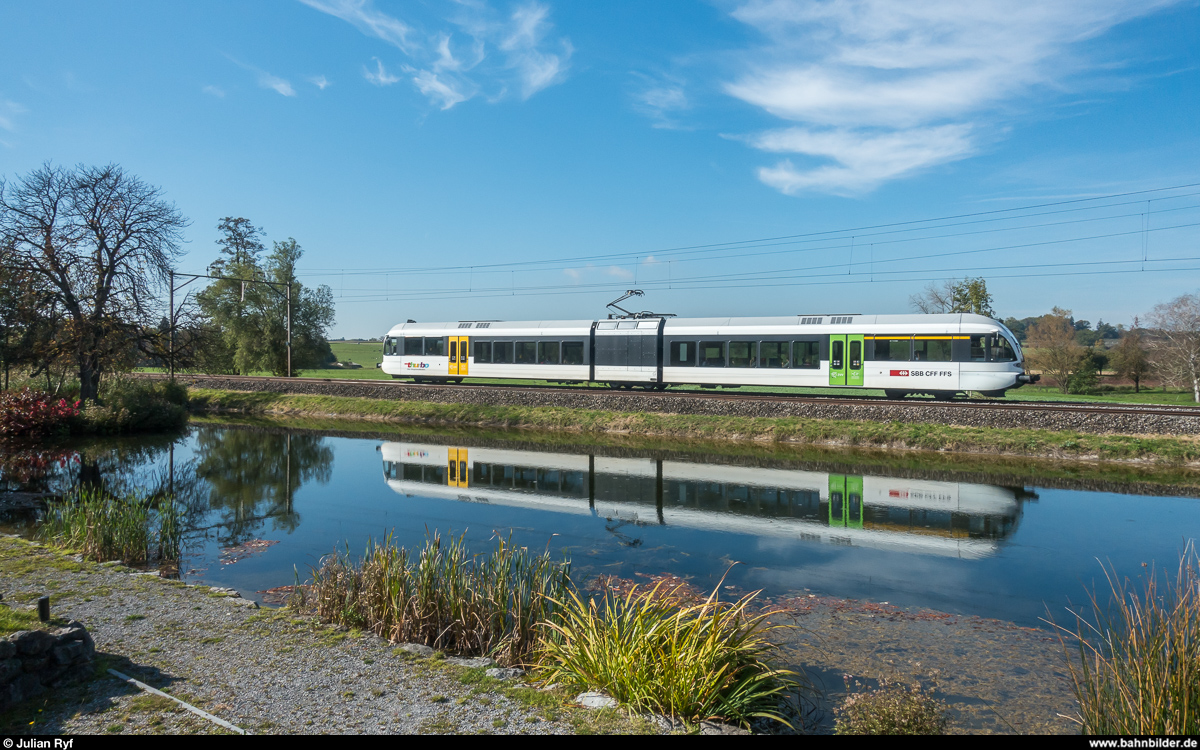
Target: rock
x=474, y=662
x=7, y=649
x=595, y=700
x=74, y=631
x=712, y=727
x=226, y=591
x=9, y=669
x=31, y=642
x=504, y=673
x=419, y=649
x=70, y=652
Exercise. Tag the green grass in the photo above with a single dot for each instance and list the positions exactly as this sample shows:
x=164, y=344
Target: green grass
x=652, y=653
x=13, y=620
x=1137, y=669
x=867, y=434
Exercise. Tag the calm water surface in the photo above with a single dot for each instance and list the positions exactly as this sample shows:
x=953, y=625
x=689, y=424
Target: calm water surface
x=265, y=503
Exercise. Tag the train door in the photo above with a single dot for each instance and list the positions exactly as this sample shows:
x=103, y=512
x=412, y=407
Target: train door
x=854, y=360
x=837, y=499
x=854, y=502
x=456, y=467
x=459, y=348
x=837, y=360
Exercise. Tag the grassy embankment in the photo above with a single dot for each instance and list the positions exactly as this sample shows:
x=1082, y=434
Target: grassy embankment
x=1021, y=442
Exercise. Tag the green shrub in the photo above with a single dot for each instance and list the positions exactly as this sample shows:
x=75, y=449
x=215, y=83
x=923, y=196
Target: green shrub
x=136, y=405
x=443, y=596
x=1137, y=669
x=103, y=527
x=891, y=708
x=696, y=662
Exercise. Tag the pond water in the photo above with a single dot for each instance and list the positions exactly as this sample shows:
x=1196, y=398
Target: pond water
x=265, y=503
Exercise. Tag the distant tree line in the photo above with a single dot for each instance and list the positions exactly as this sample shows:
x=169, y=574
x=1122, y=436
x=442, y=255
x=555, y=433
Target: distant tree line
x=1072, y=353
x=86, y=259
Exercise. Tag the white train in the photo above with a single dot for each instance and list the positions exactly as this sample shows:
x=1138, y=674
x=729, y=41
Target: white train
x=911, y=515
x=942, y=355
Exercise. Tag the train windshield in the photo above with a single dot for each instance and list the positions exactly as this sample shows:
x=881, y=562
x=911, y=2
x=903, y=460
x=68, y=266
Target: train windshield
x=1002, y=349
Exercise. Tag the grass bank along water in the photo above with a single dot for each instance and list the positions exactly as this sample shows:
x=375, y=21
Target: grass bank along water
x=1021, y=441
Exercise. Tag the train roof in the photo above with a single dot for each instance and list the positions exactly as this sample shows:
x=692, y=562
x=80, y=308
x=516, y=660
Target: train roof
x=837, y=320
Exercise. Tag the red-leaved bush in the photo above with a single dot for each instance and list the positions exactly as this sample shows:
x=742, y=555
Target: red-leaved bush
x=33, y=414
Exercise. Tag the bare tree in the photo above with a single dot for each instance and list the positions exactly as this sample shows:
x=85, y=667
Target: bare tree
x=1176, y=347
x=103, y=242
x=952, y=296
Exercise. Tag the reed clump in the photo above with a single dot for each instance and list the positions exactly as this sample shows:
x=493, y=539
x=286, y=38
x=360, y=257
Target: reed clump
x=892, y=709
x=695, y=662
x=1137, y=669
x=101, y=526
x=443, y=596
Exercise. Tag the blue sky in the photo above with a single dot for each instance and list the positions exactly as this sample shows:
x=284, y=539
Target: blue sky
x=587, y=142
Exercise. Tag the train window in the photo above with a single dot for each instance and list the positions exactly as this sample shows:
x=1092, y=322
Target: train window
x=741, y=353
x=526, y=352
x=931, y=350
x=893, y=349
x=1001, y=350
x=547, y=352
x=502, y=352
x=712, y=353
x=454, y=351
x=683, y=354
x=483, y=352
x=806, y=354
x=483, y=474
x=774, y=354
x=412, y=472
x=856, y=355
x=435, y=347
x=572, y=353
x=412, y=346
x=979, y=348
x=387, y=346
x=836, y=349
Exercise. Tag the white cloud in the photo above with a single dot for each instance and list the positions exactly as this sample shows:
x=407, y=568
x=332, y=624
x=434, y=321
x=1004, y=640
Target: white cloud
x=363, y=15
x=9, y=111
x=275, y=83
x=477, y=50
x=321, y=82
x=620, y=273
x=380, y=76
x=661, y=100
x=214, y=91
x=884, y=89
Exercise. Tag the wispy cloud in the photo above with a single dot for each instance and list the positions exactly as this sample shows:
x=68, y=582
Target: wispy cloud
x=321, y=82
x=379, y=76
x=662, y=100
x=9, y=111
x=578, y=274
x=476, y=51
x=214, y=91
x=266, y=80
x=880, y=90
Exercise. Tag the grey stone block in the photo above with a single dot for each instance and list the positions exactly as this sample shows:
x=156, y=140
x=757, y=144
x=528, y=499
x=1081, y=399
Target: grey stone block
x=31, y=642
x=504, y=673
x=595, y=700
x=9, y=669
x=69, y=653
x=471, y=662
x=419, y=649
x=7, y=649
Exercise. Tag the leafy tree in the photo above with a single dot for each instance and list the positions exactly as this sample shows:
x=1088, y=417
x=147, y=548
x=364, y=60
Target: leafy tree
x=1176, y=345
x=102, y=243
x=966, y=296
x=252, y=317
x=1129, y=358
x=1052, y=348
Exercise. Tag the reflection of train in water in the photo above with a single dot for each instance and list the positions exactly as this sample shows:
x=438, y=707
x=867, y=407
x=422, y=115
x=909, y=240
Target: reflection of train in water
x=914, y=515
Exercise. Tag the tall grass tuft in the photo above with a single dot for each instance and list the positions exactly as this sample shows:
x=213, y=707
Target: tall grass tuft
x=695, y=662
x=443, y=596
x=104, y=527
x=1138, y=664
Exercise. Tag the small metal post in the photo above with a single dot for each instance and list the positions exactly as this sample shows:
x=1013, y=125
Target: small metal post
x=171, y=324
x=44, y=609
x=289, y=326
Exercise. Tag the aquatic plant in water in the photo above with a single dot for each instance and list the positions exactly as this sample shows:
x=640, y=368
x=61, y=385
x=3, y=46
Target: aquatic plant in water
x=443, y=596
x=101, y=526
x=1136, y=668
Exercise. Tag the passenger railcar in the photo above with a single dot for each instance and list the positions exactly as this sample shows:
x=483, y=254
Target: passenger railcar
x=940, y=355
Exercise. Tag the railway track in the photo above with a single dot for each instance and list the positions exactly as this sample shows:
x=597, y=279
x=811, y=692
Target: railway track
x=1078, y=407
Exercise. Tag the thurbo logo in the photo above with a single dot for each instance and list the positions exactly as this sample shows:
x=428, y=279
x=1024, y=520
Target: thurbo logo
x=417, y=365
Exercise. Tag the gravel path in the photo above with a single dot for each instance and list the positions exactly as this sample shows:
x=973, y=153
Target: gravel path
x=266, y=671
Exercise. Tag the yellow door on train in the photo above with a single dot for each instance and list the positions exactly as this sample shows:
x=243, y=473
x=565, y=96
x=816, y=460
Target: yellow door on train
x=459, y=347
